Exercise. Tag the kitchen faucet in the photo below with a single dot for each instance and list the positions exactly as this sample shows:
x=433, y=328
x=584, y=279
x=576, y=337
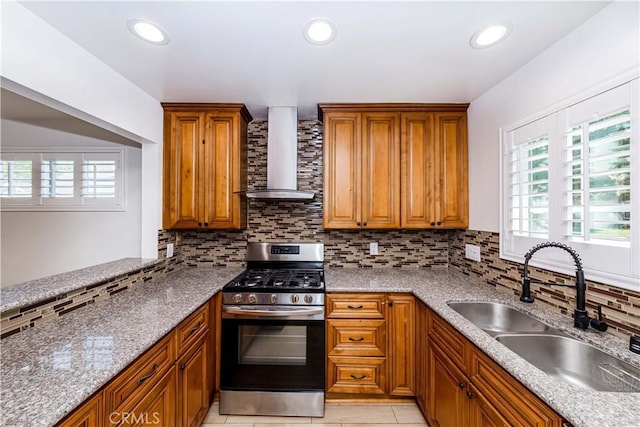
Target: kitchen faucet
x=581, y=319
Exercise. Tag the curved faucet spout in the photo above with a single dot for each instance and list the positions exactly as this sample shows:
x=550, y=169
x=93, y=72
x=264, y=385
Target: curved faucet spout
x=581, y=319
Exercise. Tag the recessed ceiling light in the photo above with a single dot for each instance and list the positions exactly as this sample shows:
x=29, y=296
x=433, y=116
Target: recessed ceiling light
x=320, y=31
x=148, y=31
x=490, y=35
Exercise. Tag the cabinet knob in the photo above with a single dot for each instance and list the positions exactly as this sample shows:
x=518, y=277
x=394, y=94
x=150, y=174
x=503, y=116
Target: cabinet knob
x=433, y=223
x=358, y=223
x=364, y=224
x=469, y=394
x=206, y=224
x=462, y=385
x=438, y=223
x=199, y=224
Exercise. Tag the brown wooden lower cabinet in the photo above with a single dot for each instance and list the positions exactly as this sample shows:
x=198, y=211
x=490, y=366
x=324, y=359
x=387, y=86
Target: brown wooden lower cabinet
x=193, y=394
x=87, y=415
x=169, y=385
x=464, y=387
x=421, y=356
x=157, y=408
x=370, y=344
x=448, y=402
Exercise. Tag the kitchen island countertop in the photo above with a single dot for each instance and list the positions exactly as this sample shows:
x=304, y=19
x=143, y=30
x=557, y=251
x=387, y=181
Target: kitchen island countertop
x=49, y=370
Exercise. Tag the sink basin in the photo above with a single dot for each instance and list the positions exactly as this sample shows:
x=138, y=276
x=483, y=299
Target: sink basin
x=575, y=362
x=495, y=318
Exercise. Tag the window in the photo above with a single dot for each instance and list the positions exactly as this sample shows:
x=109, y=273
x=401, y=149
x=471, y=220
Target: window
x=62, y=180
x=574, y=177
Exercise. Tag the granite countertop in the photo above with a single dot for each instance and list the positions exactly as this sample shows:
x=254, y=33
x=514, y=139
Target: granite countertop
x=49, y=370
x=34, y=291
x=581, y=407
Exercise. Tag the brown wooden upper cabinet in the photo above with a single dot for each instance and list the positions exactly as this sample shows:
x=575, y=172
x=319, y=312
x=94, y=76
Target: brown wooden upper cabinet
x=205, y=149
x=395, y=165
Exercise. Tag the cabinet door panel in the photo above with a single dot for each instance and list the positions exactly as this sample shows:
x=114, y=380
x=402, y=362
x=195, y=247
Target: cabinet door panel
x=157, y=408
x=183, y=143
x=483, y=414
x=452, y=199
x=401, y=356
x=381, y=170
x=512, y=400
x=87, y=415
x=342, y=170
x=448, y=403
x=192, y=385
x=418, y=175
x=421, y=356
x=220, y=171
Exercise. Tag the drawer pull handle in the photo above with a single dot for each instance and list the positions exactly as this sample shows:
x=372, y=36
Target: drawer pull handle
x=361, y=377
x=146, y=377
x=355, y=307
x=195, y=328
x=356, y=339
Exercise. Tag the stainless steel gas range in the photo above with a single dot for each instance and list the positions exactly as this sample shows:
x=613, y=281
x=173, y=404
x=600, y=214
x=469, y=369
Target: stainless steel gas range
x=273, y=333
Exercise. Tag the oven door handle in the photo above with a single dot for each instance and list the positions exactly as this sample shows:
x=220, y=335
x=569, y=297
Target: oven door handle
x=273, y=313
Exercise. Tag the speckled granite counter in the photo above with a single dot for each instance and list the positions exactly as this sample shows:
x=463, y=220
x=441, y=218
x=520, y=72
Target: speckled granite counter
x=34, y=291
x=435, y=288
x=49, y=370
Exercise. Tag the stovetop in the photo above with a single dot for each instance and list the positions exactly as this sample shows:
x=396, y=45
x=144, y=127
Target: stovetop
x=278, y=280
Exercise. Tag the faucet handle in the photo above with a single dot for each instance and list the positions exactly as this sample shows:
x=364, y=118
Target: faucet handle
x=598, y=323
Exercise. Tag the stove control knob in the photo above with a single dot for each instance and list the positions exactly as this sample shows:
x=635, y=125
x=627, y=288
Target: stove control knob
x=237, y=298
x=274, y=298
x=308, y=299
x=295, y=298
x=252, y=298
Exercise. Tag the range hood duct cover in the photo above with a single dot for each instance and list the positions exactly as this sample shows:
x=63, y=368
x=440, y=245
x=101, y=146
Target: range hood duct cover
x=282, y=157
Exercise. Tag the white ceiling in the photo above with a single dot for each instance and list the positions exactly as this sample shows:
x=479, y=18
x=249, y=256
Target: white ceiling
x=254, y=52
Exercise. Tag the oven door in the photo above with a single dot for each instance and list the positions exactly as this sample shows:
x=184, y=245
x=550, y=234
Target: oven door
x=267, y=348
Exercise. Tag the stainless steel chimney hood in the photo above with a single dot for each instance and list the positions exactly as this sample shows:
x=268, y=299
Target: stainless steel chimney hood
x=282, y=158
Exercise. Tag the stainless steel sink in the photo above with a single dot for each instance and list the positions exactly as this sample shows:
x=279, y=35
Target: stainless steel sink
x=495, y=318
x=575, y=362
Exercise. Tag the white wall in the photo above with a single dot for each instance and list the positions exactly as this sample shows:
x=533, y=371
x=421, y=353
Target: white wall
x=39, y=244
x=40, y=63
x=603, y=49
x=43, y=64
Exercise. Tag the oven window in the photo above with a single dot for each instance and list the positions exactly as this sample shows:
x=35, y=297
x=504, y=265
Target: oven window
x=272, y=345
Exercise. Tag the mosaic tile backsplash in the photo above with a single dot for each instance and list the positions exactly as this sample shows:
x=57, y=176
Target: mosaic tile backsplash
x=302, y=220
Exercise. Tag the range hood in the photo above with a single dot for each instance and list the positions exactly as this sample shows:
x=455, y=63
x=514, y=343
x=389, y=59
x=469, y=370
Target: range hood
x=282, y=158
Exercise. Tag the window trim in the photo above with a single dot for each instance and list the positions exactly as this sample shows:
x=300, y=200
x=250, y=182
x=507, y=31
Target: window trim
x=514, y=249
x=34, y=204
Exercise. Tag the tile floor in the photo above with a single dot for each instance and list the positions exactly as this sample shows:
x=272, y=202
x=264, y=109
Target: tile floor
x=335, y=415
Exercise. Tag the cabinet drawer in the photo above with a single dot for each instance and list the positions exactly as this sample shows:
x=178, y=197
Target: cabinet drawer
x=134, y=383
x=364, y=375
x=512, y=400
x=355, y=306
x=192, y=328
x=356, y=337
x=449, y=340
